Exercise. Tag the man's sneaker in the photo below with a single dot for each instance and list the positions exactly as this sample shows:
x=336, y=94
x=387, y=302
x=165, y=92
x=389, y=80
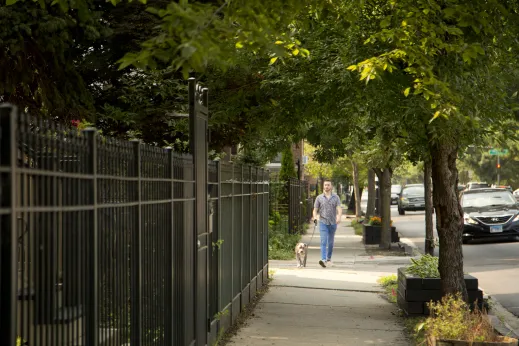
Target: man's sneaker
x=329, y=263
x=322, y=263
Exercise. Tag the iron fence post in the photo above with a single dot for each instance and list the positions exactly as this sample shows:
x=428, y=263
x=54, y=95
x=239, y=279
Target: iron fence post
x=8, y=236
x=92, y=331
x=219, y=226
x=251, y=233
x=169, y=332
x=265, y=220
x=241, y=230
x=233, y=196
x=136, y=256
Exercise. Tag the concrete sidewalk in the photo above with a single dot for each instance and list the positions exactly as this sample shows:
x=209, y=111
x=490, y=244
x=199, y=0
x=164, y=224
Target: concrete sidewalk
x=339, y=305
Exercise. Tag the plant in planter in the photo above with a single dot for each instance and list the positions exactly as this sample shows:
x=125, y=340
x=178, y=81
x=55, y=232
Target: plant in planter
x=453, y=323
x=420, y=283
x=375, y=221
x=371, y=231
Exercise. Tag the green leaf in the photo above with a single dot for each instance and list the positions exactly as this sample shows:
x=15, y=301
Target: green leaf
x=436, y=115
x=279, y=42
x=406, y=91
x=239, y=45
x=449, y=12
x=352, y=67
x=10, y=2
x=386, y=22
x=426, y=10
x=514, y=94
x=273, y=60
x=295, y=51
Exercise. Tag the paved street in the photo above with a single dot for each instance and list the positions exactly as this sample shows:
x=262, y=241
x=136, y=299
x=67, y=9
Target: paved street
x=494, y=262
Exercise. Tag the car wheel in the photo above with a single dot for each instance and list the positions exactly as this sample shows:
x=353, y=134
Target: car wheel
x=465, y=240
x=401, y=211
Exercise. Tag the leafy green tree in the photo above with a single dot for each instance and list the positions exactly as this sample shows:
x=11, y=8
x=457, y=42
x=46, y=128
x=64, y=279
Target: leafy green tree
x=451, y=51
x=287, y=170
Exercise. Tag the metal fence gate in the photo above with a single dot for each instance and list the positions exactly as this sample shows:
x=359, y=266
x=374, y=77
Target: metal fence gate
x=108, y=242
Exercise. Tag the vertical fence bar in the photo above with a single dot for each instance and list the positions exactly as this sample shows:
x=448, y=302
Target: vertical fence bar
x=233, y=212
x=92, y=294
x=136, y=256
x=251, y=233
x=170, y=323
x=220, y=233
x=8, y=241
x=242, y=283
x=264, y=215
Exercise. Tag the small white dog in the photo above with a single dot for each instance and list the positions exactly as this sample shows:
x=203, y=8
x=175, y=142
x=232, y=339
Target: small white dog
x=301, y=254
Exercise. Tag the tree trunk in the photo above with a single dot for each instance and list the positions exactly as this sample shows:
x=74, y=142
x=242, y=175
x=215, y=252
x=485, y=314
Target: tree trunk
x=351, y=203
x=385, y=203
x=429, y=234
x=356, y=189
x=449, y=218
x=370, y=209
x=378, y=192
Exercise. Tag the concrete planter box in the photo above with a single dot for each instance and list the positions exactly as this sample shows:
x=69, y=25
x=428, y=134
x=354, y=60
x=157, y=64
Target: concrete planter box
x=414, y=293
x=371, y=234
x=506, y=341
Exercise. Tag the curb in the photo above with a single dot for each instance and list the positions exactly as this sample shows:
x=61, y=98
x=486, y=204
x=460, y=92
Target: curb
x=387, y=260
x=501, y=319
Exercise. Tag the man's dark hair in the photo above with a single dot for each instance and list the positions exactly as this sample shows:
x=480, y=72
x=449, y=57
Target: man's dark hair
x=327, y=180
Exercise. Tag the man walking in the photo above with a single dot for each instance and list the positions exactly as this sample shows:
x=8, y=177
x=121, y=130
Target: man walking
x=328, y=206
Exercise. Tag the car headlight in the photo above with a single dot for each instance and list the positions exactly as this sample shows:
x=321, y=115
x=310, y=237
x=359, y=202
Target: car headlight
x=468, y=220
x=404, y=200
x=516, y=218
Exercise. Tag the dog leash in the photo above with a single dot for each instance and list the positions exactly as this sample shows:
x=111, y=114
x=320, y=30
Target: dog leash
x=310, y=242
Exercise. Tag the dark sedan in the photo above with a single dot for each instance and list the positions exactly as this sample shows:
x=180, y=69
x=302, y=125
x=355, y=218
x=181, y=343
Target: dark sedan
x=489, y=212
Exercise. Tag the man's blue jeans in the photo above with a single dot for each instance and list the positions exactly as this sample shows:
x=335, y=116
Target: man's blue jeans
x=327, y=239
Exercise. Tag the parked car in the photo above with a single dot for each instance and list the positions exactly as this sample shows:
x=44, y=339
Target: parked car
x=412, y=198
x=507, y=187
x=490, y=212
x=516, y=194
x=476, y=185
x=395, y=192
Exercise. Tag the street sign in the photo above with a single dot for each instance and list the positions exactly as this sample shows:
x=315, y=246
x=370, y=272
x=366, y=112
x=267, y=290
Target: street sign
x=498, y=152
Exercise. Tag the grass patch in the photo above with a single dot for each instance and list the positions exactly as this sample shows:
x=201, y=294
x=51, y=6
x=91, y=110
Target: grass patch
x=413, y=328
x=390, y=285
x=412, y=325
x=357, y=226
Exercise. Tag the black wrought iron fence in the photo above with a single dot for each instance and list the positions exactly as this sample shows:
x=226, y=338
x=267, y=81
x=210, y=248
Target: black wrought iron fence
x=299, y=212
x=290, y=205
x=97, y=239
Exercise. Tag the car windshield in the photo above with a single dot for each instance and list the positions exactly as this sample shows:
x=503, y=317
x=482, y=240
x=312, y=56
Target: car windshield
x=487, y=199
x=396, y=189
x=478, y=186
x=414, y=190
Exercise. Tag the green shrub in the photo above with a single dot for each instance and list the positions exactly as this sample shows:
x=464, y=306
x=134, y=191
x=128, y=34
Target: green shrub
x=452, y=319
x=357, y=226
x=425, y=267
x=282, y=244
